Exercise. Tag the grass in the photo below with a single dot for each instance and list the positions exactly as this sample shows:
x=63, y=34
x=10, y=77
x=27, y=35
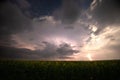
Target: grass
x=59, y=70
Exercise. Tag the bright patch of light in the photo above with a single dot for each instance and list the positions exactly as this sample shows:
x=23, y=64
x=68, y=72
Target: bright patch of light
x=93, y=5
x=99, y=41
x=97, y=45
x=89, y=57
x=93, y=28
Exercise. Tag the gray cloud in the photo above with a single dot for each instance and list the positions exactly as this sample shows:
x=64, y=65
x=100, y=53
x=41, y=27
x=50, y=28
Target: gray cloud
x=12, y=19
x=111, y=51
x=24, y=4
x=106, y=12
x=50, y=52
x=64, y=33
x=69, y=12
x=69, y=27
x=66, y=49
x=13, y=53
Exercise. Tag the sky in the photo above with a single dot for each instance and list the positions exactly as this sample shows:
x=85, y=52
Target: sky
x=68, y=30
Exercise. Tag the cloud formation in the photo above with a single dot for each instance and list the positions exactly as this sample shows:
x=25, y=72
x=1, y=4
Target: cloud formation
x=50, y=52
x=12, y=19
x=105, y=12
x=72, y=31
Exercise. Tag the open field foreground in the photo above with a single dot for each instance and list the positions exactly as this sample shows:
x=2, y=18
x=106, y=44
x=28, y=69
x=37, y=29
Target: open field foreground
x=59, y=70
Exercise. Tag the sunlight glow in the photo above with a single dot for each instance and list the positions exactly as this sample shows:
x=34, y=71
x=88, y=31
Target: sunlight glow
x=96, y=45
x=60, y=40
x=89, y=57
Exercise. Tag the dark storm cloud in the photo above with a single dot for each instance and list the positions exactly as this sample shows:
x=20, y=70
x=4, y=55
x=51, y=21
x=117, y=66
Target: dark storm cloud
x=24, y=4
x=12, y=53
x=5, y=40
x=69, y=11
x=66, y=49
x=51, y=51
x=12, y=19
x=42, y=7
x=106, y=12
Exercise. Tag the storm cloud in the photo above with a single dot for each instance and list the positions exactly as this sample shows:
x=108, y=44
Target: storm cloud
x=59, y=30
x=50, y=52
x=12, y=19
x=105, y=12
x=70, y=11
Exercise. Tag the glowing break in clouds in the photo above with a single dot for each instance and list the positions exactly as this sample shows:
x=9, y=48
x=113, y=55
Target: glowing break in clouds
x=100, y=46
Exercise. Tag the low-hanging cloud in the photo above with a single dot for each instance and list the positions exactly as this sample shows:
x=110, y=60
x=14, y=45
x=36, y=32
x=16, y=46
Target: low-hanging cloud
x=50, y=51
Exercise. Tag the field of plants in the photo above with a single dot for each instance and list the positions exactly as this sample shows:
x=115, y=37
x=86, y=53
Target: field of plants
x=59, y=70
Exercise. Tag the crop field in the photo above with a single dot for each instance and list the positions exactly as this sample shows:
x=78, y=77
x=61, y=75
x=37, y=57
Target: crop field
x=59, y=70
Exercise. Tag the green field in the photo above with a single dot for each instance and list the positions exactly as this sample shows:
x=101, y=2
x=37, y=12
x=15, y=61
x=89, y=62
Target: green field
x=59, y=70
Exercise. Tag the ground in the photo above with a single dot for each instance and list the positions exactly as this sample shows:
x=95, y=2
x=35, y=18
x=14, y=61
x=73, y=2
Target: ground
x=59, y=70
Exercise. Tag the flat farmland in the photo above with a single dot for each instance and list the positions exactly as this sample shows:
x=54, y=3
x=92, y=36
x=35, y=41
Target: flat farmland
x=59, y=70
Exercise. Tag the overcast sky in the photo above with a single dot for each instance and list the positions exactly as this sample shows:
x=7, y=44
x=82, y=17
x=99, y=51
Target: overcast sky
x=60, y=29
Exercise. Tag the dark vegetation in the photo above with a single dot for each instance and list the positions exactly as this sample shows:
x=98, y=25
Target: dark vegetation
x=59, y=70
